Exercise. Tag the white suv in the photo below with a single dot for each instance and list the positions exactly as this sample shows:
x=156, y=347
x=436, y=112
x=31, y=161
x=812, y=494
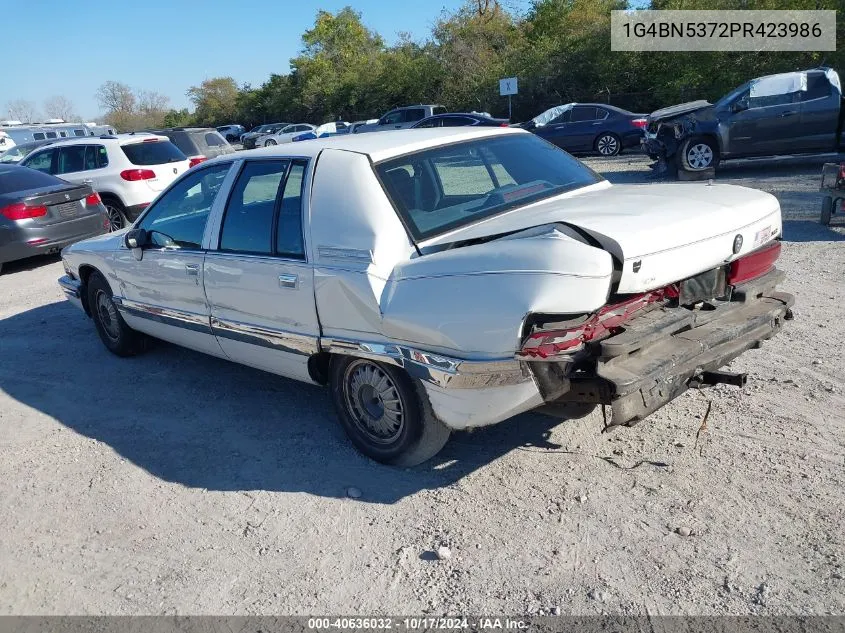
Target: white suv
x=127, y=170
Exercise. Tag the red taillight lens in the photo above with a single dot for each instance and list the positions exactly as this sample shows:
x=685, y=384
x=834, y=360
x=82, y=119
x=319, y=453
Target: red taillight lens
x=94, y=198
x=21, y=211
x=842, y=170
x=196, y=160
x=137, y=174
x=754, y=264
x=601, y=324
x=504, y=124
x=640, y=123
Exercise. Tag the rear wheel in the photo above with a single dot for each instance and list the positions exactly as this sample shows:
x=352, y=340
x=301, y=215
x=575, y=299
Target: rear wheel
x=827, y=210
x=116, y=214
x=269, y=142
x=608, y=144
x=698, y=153
x=118, y=337
x=385, y=413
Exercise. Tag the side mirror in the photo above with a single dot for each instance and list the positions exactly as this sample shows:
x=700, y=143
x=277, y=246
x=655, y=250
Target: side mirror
x=137, y=238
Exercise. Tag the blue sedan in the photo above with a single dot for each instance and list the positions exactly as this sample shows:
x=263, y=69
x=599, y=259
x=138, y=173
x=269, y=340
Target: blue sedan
x=589, y=127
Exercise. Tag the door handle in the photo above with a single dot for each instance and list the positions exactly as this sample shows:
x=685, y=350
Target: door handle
x=88, y=181
x=288, y=281
x=192, y=270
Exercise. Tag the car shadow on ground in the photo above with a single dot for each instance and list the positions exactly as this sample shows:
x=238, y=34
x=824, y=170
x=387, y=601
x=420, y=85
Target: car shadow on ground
x=207, y=423
x=812, y=231
x=30, y=263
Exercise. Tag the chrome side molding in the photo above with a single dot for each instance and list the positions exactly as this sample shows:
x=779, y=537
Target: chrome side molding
x=442, y=371
x=265, y=337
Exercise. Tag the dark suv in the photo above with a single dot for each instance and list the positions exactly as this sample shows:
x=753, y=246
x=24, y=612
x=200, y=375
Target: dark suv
x=197, y=143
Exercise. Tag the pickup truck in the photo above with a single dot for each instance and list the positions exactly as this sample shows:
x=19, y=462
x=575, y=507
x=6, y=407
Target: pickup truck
x=788, y=113
x=401, y=118
x=443, y=279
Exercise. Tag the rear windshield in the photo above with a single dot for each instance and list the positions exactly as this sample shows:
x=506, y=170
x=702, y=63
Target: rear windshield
x=441, y=189
x=152, y=153
x=183, y=141
x=24, y=179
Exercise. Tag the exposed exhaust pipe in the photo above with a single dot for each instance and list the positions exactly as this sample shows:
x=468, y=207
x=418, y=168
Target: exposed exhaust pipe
x=708, y=378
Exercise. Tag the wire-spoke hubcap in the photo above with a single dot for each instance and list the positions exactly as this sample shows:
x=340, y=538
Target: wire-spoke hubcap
x=608, y=145
x=115, y=219
x=107, y=314
x=700, y=156
x=373, y=402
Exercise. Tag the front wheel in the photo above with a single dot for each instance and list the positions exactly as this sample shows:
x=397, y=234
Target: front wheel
x=119, y=338
x=699, y=153
x=608, y=144
x=269, y=143
x=385, y=413
x=827, y=210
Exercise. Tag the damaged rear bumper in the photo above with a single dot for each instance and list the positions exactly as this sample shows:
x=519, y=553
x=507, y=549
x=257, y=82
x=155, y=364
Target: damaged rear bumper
x=660, y=352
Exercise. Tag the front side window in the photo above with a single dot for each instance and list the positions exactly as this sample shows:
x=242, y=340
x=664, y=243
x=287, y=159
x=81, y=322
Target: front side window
x=42, y=161
x=456, y=121
x=78, y=132
x=447, y=187
x=429, y=123
x=71, y=159
x=52, y=135
x=38, y=136
x=248, y=222
x=392, y=118
x=177, y=219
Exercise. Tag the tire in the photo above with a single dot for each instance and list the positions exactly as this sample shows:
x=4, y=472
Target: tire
x=608, y=144
x=698, y=153
x=827, y=210
x=117, y=214
x=119, y=338
x=360, y=389
x=269, y=142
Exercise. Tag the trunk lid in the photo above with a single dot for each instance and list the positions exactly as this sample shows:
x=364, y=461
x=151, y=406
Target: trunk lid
x=63, y=202
x=658, y=234
x=159, y=155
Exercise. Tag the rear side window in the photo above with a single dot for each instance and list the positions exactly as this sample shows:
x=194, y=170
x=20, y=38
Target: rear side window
x=214, y=140
x=248, y=223
x=289, y=230
x=51, y=135
x=413, y=114
x=79, y=132
x=456, y=121
x=583, y=113
x=38, y=136
x=25, y=179
x=96, y=157
x=438, y=110
x=818, y=87
x=71, y=159
x=152, y=153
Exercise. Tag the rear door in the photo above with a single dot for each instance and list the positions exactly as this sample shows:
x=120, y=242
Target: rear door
x=160, y=156
x=259, y=285
x=820, y=105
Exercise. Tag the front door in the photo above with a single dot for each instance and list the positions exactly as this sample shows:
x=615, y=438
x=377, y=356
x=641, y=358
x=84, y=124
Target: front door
x=769, y=125
x=162, y=293
x=259, y=285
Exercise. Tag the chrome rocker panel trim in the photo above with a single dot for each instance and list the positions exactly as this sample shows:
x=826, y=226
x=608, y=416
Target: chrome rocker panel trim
x=168, y=316
x=264, y=337
x=442, y=371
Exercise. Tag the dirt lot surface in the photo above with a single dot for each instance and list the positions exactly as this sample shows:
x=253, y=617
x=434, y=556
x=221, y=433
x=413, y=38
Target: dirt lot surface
x=178, y=483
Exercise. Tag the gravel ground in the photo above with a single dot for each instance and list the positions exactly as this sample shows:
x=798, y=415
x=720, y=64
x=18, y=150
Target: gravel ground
x=175, y=483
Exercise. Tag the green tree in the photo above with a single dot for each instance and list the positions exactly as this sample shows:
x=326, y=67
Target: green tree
x=215, y=101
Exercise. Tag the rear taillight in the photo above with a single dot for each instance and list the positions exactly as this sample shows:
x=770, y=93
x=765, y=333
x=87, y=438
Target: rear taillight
x=94, y=198
x=22, y=211
x=196, y=160
x=754, y=264
x=603, y=323
x=639, y=123
x=137, y=174
x=504, y=125
x=842, y=171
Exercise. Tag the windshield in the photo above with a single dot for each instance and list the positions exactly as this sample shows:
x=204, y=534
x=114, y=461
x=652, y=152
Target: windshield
x=733, y=94
x=549, y=115
x=447, y=187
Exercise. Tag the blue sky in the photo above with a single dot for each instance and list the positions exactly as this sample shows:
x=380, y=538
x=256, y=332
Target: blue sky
x=170, y=45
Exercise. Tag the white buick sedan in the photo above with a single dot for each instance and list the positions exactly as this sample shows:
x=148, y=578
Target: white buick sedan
x=443, y=279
